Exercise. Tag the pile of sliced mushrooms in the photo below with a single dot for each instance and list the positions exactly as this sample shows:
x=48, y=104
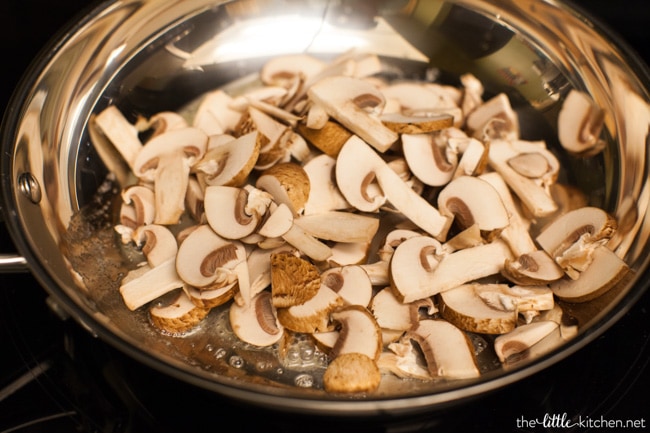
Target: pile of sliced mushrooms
x=387, y=219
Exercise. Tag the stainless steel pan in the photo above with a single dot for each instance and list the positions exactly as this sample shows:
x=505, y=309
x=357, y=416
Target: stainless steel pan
x=146, y=56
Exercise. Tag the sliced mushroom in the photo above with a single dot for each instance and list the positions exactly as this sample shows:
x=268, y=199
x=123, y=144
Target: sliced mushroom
x=324, y=195
x=329, y=138
x=604, y=272
x=417, y=272
x=339, y=226
x=474, y=156
x=205, y=259
x=228, y=161
x=352, y=373
x=571, y=238
x=120, y=132
x=513, y=346
x=403, y=124
x=256, y=323
x=179, y=316
x=283, y=70
x=312, y=315
x=470, y=200
x=390, y=313
x=195, y=201
x=141, y=200
x=403, y=360
x=580, y=123
x=145, y=284
x=211, y=298
x=349, y=253
x=358, y=333
x=294, y=280
x=226, y=211
x=464, y=307
x=347, y=99
x=307, y=244
x=158, y=243
x=532, y=192
x=214, y=114
x=534, y=268
x=358, y=165
x=516, y=298
x=447, y=350
x=494, y=119
x=278, y=222
x=166, y=160
x=287, y=183
x=350, y=282
x=434, y=164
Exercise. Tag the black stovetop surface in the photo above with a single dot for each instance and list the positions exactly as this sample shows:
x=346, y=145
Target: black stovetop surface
x=54, y=376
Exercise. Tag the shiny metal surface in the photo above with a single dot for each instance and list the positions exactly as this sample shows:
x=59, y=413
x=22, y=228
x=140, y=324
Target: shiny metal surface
x=146, y=56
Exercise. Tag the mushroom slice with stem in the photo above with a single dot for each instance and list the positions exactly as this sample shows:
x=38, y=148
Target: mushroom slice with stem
x=282, y=70
x=465, y=308
x=447, y=350
x=205, y=259
x=571, y=238
x=352, y=373
x=604, y=272
x=418, y=271
x=287, y=183
x=228, y=161
x=226, y=211
x=494, y=119
x=579, y=124
x=434, y=164
x=324, y=195
x=307, y=244
x=358, y=332
x=166, y=160
x=158, y=243
x=358, y=165
x=350, y=282
x=256, y=323
x=348, y=100
x=339, y=226
x=294, y=280
x=141, y=199
x=533, y=192
x=470, y=200
x=145, y=283
x=513, y=346
x=179, y=316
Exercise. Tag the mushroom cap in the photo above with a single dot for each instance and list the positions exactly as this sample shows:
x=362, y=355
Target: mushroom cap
x=511, y=346
x=281, y=70
x=579, y=124
x=287, y=183
x=158, y=243
x=294, y=280
x=534, y=268
x=434, y=164
x=312, y=315
x=228, y=160
x=359, y=332
x=390, y=313
x=179, y=316
x=324, y=195
x=350, y=282
x=352, y=373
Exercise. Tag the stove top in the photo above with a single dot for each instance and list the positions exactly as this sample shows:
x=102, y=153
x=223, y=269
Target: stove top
x=55, y=376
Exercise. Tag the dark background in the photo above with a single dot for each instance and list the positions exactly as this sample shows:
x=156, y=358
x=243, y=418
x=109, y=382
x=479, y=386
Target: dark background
x=608, y=378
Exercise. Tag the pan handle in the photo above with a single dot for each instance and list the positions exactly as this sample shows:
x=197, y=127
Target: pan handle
x=11, y=263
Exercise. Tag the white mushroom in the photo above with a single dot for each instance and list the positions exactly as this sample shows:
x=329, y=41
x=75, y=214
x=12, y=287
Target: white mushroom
x=514, y=345
x=352, y=373
x=464, y=307
x=314, y=314
x=226, y=210
x=228, y=161
x=350, y=282
x=158, y=243
x=256, y=323
x=447, y=350
x=214, y=114
x=418, y=272
x=287, y=183
x=494, y=119
x=324, y=195
x=205, y=259
x=339, y=226
x=140, y=200
x=166, y=160
x=347, y=99
x=432, y=162
x=579, y=124
x=120, y=132
x=358, y=165
x=358, y=332
x=145, y=283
